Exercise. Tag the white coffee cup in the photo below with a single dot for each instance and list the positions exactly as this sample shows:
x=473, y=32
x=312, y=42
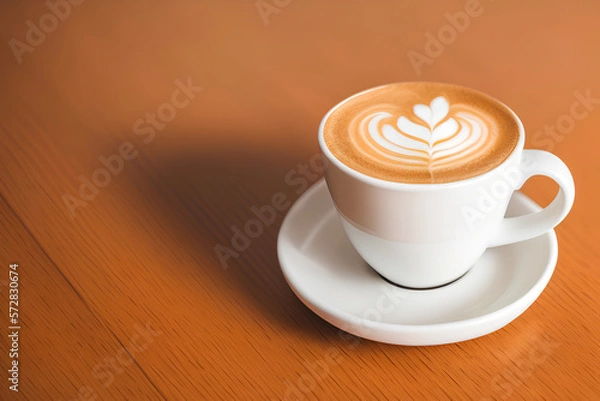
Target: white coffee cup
x=428, y=235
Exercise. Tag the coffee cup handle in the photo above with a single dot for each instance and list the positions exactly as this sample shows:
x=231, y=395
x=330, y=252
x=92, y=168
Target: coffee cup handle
x=538, y=162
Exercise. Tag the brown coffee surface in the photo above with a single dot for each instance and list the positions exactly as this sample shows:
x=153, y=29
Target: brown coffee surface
x=421, y=132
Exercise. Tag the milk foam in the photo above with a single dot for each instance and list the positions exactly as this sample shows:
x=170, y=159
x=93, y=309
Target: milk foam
x=421, y=132
x=435, y=139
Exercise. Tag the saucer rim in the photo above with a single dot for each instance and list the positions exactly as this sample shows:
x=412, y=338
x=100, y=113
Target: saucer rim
x=501, y=316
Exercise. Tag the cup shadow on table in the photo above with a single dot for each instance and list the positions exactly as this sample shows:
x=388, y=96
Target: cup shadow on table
x=209, y=191
x=206, y=192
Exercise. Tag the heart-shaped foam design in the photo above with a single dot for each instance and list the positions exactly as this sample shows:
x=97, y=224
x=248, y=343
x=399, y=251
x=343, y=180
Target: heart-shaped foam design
x=443, y=135
x=434, y=113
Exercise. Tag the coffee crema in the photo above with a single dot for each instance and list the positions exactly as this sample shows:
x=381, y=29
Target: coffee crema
x=421, y=132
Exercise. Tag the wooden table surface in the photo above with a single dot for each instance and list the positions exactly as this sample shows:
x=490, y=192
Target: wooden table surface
x=135, y=135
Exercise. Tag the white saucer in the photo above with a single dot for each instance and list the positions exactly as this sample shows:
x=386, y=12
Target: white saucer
x=328, y=275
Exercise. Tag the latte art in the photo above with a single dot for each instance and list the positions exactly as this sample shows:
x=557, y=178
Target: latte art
x=436, y=139
x=421, y=132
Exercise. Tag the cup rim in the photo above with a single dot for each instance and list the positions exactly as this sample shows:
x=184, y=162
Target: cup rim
x=385, y=184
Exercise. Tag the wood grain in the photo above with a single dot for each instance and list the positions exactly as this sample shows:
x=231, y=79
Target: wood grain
x=139, y=257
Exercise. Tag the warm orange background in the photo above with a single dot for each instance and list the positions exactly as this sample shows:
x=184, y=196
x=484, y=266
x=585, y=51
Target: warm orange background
x=137, y=265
